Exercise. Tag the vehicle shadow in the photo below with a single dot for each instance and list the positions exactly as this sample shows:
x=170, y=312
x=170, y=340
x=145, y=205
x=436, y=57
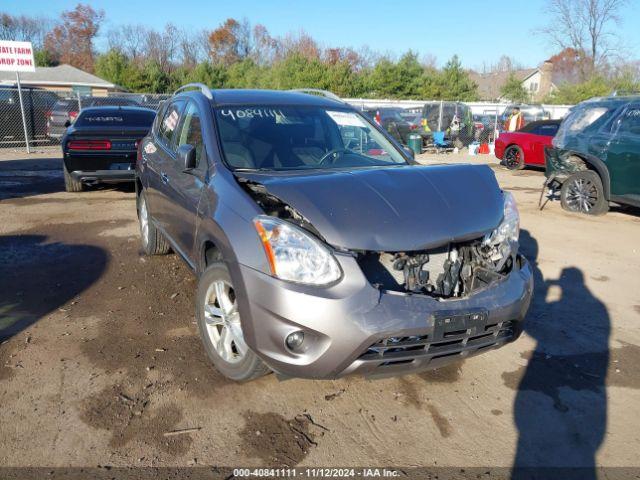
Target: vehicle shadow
x=28, y=177
x=560, y=408
x=39, y=277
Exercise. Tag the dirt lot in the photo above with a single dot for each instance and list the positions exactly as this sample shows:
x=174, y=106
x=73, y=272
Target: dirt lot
x=101, y=363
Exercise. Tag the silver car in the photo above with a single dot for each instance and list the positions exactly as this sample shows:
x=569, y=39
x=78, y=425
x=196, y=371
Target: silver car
x=321, y=248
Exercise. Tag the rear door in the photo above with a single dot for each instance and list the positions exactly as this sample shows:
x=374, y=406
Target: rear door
x=161, y=161
x=623, y=156
x=186, y=187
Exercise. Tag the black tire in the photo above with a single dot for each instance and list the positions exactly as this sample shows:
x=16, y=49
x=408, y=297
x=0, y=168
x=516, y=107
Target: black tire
x=514, y=158
x=153, y=241
x=70, y=183
x=249, y=367
x=583, y=192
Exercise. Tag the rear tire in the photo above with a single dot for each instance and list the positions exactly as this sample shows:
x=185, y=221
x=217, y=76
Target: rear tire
x=227, y=351
x=153, y=242
x=70, y=183
x=514, y=158
x=583, y=192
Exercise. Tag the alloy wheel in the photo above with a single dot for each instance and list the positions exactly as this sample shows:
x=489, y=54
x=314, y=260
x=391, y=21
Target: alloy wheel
x=512, y=158
x=223, y=322
x=582, y=195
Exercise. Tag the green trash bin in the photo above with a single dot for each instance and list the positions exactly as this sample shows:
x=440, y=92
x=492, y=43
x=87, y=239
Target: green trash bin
x=415, y=143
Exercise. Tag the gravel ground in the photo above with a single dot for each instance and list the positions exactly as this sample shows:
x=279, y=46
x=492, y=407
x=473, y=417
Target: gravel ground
x=101, y=363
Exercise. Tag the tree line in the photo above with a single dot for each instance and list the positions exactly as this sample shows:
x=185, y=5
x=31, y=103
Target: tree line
x=237, y=54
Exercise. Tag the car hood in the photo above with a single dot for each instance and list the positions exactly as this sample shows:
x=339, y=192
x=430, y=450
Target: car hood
x=391, y=208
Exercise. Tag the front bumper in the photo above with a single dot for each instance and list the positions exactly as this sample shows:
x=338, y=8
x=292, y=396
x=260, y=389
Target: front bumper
x=354, y=328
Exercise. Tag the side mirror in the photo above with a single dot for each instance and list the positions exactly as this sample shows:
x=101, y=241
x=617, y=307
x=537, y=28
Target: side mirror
x=67, y=124
x=410, y=152
x=187, y=156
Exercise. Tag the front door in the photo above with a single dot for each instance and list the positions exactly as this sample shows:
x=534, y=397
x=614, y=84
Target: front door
x=160, y=163
x=187, y=186
x=623, y=157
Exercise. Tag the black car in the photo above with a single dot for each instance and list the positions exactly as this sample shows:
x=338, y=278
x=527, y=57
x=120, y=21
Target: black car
x=305, y=223
x=65, y=111
x=102, y=143
x=37, y=103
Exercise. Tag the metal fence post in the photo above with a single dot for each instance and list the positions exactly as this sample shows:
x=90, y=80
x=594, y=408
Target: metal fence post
x=24, y=118
x=79, y=102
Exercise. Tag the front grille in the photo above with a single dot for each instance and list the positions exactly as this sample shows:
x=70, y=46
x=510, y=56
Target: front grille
x=399, y=350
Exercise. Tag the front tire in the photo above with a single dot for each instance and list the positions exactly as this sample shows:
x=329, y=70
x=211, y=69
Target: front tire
x=514, y=158
x=153, y=242
x=220, y=327
x=583, y=192
x=70, y=183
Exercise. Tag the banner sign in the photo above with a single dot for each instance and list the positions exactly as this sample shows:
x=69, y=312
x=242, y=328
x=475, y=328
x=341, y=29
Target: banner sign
x=16, y=56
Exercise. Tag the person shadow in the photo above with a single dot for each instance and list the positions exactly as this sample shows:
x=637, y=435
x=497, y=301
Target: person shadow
x=560, y=408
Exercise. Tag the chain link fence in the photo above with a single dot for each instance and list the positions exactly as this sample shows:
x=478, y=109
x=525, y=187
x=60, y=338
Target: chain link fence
x=48, y=113
x=423, y=125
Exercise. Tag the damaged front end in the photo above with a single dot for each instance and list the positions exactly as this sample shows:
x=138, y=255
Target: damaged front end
x=453, y=270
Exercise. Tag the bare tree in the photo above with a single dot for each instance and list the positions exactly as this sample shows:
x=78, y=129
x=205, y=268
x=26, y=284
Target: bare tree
x=24, y=28
x=585, y=26
x=163, y=47
x=128, y=39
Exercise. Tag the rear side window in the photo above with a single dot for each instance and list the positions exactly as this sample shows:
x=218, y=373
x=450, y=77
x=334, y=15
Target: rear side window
x=169, y=123
x=115, y=118
x=629, y=122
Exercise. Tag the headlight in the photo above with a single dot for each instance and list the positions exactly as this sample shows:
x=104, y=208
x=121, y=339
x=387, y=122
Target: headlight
x=294, y=255
x=509, y=228
x=502, y=242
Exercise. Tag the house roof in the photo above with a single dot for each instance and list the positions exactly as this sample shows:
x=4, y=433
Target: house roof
x=62, y=75
x=489, y=84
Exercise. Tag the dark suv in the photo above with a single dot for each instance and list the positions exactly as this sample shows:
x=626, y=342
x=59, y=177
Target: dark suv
x=600, y=141
x=321, y=249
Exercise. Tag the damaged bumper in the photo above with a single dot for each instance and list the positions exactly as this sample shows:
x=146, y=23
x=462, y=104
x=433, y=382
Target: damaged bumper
x=353, y=327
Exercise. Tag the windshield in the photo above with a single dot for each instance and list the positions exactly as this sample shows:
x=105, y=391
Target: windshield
x=300, y=137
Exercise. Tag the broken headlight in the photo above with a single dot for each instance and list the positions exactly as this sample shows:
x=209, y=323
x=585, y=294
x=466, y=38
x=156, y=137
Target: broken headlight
x=295, y=255
x=503, y=241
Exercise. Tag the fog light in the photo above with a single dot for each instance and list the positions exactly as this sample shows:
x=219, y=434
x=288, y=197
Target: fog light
x=294, y=340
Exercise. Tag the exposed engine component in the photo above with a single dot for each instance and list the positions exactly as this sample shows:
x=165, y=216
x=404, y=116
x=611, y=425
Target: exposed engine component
x=275, y=207
x=450, y=271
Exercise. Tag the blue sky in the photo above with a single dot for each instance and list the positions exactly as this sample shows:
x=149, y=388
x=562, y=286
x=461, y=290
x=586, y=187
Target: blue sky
x=477, y=31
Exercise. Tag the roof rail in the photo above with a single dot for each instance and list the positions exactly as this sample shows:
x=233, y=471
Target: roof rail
x=206, y=91
x=624, y=93
x=318, y=92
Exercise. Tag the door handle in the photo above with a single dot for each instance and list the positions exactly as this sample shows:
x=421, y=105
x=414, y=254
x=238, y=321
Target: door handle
x=164, y=177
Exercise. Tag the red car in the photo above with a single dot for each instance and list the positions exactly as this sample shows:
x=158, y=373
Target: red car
x=525, y=146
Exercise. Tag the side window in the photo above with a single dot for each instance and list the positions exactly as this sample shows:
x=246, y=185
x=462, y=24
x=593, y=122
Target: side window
x=191, y=131
x=629, y=122
x=169, y=124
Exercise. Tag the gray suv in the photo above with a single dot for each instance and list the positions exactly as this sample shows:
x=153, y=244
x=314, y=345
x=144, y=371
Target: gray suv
x=320, y=248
